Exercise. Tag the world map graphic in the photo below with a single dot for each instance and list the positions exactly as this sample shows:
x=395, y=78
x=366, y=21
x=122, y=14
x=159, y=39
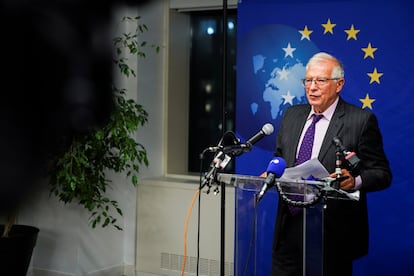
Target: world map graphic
x=271, y=65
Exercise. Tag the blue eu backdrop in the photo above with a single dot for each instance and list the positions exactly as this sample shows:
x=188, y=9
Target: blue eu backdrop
x=375, y=42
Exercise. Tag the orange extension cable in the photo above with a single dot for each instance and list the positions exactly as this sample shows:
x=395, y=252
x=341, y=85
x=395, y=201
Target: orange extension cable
x=186, y=229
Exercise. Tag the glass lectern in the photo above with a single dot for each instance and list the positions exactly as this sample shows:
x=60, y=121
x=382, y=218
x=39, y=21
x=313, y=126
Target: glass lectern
x=254, y=221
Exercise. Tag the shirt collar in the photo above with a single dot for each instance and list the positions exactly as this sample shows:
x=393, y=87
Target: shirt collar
x=328, y=113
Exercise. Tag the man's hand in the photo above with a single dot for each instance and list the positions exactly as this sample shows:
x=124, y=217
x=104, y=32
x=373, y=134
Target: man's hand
x=348, y=183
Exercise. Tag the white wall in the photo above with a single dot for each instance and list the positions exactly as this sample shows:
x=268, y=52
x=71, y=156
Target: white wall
x=163, y=206
x=66, y=244
x=152, y=88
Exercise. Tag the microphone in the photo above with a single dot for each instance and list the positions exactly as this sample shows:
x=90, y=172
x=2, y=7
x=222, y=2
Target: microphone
x=239, y=148
x=275, y=169
x=350, y=156
x=267, y=129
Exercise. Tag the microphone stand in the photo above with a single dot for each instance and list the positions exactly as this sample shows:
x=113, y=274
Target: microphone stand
x=208, y=180
x=222, y=184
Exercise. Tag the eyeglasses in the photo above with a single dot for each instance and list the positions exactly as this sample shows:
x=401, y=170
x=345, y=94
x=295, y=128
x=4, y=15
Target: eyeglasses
x=319, y=81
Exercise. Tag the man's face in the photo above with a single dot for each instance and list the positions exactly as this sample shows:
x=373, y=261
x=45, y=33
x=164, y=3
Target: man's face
x=321, y=94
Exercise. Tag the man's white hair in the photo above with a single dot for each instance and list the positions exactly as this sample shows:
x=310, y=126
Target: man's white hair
x=338, y=70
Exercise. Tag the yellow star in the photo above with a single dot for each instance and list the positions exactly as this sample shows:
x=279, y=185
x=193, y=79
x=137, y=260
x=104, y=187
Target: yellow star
x=305, y=33
x=352, y=33
x=328, y=27
x=375, y=76
x=366, y=102
x=369, y=51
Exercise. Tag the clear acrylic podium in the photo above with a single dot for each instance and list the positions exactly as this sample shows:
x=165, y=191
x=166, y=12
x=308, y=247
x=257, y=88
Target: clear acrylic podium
x=254, y=221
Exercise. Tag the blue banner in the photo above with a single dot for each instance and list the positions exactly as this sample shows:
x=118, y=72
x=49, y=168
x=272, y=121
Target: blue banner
x=375, y=43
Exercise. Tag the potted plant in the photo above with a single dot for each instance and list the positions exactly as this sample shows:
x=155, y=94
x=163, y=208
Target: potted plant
x=79, y=173
x=16, y=247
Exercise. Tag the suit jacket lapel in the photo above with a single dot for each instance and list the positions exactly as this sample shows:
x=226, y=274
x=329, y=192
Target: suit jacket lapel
x=335, y=126
x=297, y=125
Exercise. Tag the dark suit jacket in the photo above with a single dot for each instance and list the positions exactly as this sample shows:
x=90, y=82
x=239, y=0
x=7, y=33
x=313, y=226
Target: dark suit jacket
x=346, y=222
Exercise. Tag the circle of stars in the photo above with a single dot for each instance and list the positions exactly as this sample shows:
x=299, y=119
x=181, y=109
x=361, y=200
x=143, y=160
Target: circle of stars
x=351, y=34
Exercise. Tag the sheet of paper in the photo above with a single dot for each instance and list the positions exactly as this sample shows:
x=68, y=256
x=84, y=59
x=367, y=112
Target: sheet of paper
x=303, y=171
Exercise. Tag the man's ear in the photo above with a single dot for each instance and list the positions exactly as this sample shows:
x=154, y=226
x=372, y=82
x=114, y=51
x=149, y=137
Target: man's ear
x=339, y=85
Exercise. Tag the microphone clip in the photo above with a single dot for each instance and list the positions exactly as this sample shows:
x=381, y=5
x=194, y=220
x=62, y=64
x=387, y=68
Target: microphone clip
x=237, y=149
x=351, y=158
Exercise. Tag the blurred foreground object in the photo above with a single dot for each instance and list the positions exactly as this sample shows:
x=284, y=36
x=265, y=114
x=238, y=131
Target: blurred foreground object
x=56, y=82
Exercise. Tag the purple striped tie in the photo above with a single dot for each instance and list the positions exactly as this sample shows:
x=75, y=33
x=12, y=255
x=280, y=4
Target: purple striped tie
x=305, y=153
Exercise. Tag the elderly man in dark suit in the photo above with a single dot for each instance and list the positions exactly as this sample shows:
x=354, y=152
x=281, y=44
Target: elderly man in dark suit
x=345, y=222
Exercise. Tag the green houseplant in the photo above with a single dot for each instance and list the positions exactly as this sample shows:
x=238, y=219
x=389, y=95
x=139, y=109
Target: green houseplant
x=80, y=173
